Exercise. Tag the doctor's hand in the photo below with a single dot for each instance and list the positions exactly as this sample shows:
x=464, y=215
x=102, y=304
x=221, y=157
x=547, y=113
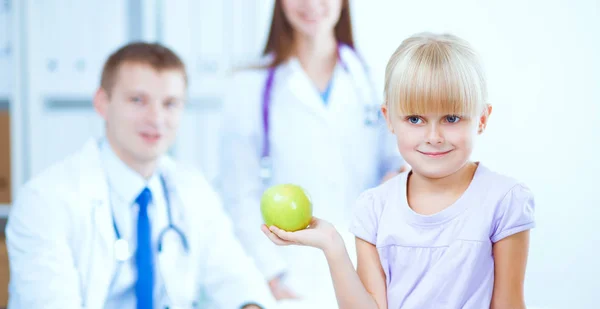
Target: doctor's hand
x=280, y=290
x=319, y=234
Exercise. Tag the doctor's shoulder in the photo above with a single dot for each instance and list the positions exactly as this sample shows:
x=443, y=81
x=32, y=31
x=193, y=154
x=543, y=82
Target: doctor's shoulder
x=62, y=178
x=247, y=83
x=52, y=193
x=204, y=206
x=249, y=75
x=192, y=181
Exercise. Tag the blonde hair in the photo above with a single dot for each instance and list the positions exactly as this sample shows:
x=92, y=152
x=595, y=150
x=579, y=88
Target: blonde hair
x=435, y=73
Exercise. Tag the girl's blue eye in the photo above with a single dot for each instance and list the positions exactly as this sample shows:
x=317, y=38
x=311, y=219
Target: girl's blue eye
x=452, y=119
x=414, y=119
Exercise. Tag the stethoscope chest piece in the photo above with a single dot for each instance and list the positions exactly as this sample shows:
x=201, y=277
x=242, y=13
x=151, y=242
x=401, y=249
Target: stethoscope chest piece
x=266, y=168
x=122, y=251
x=372, y=115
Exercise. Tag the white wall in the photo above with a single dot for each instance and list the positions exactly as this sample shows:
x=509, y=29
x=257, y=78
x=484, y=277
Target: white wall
x=543, y=66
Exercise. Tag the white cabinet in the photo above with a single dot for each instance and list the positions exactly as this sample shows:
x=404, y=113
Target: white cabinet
x=198, y=139
x=6, y=49
x=249, y=22
x=212, y=37
x=67, y=43
x=195, y=30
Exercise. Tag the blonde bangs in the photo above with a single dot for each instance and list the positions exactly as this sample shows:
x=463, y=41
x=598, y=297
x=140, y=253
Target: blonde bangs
x=431, y=74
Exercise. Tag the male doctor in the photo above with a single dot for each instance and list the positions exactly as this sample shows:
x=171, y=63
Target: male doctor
x=120, y=225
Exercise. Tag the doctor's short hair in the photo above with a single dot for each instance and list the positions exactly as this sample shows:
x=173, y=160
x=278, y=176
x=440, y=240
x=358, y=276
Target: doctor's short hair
x=435, y=73
x=154, y=55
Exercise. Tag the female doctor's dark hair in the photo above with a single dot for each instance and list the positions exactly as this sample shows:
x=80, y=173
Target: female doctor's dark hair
x=280, y=40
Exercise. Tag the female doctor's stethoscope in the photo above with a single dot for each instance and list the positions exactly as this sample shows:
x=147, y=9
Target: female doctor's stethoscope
x=371, y=110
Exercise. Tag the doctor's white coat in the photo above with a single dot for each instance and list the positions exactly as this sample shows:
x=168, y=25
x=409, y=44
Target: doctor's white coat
x=60, y=241
x=326, y=148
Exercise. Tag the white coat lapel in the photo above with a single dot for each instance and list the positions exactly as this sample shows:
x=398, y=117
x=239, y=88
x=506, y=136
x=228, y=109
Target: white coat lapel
x=343, y=93
x=94, y=194
x=355, y=95
x=361, y=81
x=177, y=266
x=297, y=85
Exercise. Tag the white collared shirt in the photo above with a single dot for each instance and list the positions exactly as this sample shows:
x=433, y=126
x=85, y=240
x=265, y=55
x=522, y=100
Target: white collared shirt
x=125, y=185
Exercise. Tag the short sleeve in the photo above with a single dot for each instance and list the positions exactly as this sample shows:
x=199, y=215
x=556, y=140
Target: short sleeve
x=366, y=216
x=515, y=213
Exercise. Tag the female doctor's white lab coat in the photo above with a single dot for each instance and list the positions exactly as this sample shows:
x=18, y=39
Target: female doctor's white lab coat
x=327, y=149
x=60, y=240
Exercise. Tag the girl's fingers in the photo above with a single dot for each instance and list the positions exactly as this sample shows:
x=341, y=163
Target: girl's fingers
x=287, y=236
x=278, y=241
x=274, y=237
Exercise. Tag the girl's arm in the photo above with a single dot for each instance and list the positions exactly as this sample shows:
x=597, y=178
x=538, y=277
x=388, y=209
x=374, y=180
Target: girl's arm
x=365, y=290
x=370, y=272
x=510, y=259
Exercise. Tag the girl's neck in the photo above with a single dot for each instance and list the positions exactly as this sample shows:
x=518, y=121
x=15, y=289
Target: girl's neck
x=455, y=183
x=318, y=57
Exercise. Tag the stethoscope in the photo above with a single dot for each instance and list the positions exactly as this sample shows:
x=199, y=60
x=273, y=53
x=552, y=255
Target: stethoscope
x=372, y=112
x=122, y=248
x=123, y=251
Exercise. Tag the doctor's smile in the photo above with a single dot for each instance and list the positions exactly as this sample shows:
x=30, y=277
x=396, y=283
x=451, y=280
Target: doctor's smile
x=150, y=138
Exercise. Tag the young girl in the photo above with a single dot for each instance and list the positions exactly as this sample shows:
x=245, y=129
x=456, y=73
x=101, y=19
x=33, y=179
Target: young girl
x=450, y=233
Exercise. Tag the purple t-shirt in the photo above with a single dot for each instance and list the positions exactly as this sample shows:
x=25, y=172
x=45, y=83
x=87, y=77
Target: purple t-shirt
x=442, y=260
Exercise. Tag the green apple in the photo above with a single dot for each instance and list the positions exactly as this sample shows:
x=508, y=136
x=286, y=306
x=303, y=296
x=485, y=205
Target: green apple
x=286, y=206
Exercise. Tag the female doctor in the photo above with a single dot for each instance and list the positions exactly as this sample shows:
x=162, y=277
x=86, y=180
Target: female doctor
x=309, y=116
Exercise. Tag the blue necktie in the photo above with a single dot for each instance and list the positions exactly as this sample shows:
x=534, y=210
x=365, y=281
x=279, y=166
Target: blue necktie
x=144, y=285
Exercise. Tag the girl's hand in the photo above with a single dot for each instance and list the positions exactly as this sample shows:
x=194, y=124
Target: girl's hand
x=319, y=234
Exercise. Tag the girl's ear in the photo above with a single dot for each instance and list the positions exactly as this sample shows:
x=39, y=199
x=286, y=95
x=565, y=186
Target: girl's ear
x=483, y=120
x=385, y=112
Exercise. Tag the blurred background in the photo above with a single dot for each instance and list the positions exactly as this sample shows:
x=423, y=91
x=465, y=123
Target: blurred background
x=541, y=59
